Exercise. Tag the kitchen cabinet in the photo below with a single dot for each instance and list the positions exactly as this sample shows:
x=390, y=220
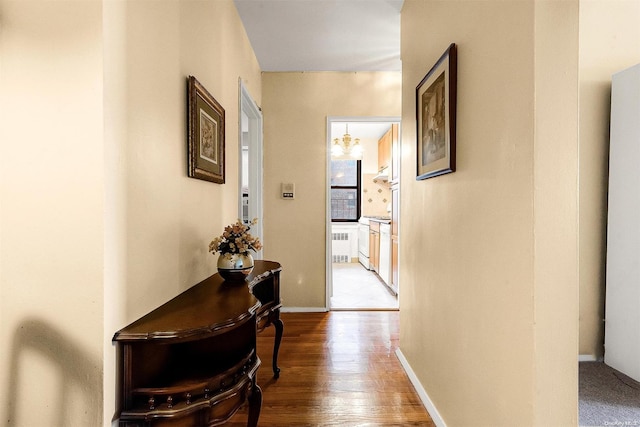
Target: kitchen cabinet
x=380, y=249
x=388, y=153
x=374, y=245
x=384, y=150
x=395, y=154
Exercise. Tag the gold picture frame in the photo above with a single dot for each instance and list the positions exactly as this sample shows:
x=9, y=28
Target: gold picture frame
x=206, y=154
x=436, y=118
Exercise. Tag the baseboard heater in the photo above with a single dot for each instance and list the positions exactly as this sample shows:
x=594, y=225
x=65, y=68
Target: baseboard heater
x=340, y=247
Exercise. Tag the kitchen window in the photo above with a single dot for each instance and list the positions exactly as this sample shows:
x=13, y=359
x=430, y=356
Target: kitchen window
x=345, y=190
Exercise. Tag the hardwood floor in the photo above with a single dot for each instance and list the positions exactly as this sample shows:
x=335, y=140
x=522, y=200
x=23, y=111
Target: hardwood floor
x=337, y=368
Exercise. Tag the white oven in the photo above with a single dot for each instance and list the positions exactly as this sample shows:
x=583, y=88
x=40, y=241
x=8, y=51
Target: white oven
x=363, y=242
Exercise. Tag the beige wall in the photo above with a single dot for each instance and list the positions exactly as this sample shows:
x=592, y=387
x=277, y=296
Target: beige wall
x=160, y=222
x=51, y=213
x=97, y=210
x=609, y=42
x=477, y=264
x=295, y=107
x=170, y=218
x=555, y=228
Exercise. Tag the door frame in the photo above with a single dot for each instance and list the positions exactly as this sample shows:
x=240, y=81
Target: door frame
x=253, y=127
x=328, y=259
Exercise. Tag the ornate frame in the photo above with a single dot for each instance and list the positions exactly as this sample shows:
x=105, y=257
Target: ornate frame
x=206, y=130
x=436, y=118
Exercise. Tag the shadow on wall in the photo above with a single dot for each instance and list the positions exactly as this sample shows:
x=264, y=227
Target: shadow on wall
x=77, y=385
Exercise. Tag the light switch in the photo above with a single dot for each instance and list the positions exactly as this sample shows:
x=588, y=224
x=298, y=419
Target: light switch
x=288, y=191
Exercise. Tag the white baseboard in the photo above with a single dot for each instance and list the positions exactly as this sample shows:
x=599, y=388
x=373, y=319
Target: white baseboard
x=303, y=310
x=587, y=358
x=422, y=393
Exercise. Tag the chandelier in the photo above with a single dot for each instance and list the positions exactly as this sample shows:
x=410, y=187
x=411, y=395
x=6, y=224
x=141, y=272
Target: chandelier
x=344, y=147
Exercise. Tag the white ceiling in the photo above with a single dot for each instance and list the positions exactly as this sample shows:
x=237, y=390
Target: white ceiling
x=326, y=35
x=323, y=35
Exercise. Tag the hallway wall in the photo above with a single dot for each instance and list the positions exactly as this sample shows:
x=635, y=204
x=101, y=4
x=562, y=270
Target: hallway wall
x=295, y=107
x=99, y=222
x=159, y=222
x=51, y=213
x=488, y=262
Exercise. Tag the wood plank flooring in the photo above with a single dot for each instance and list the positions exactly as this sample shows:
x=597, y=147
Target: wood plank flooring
x=338, y=368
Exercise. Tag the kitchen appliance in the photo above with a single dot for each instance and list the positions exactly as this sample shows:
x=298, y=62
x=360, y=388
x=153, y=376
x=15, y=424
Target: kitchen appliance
x=363, y=242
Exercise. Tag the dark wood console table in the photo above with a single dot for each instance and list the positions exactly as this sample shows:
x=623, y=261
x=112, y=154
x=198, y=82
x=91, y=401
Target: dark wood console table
x=193, y=361
x=264, y=283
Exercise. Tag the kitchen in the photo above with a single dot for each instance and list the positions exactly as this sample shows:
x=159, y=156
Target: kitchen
x=364, y=214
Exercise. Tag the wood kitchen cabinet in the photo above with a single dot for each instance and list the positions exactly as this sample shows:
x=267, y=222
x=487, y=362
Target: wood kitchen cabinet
x=374, y=245
x=384, y=151
x=388, y=151
x=395, y=155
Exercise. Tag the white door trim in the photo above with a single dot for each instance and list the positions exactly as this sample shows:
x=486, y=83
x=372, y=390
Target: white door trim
x=255, y=143
x=330, y=120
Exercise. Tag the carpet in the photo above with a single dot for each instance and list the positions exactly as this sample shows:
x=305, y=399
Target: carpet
x=607, y=397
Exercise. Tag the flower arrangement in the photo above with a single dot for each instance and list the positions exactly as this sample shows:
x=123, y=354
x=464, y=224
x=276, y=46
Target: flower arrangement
x=236, y=239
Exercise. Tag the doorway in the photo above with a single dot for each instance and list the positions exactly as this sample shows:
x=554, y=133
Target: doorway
x=250, y=168
x=361, y=213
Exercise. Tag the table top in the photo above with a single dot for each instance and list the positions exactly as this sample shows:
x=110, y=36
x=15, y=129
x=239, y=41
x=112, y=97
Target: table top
x=204, y=309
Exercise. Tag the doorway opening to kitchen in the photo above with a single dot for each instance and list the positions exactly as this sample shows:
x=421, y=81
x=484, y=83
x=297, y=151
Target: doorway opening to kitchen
x=363, y=213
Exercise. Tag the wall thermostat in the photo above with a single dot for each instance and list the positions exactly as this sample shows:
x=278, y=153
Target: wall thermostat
x=288, y=191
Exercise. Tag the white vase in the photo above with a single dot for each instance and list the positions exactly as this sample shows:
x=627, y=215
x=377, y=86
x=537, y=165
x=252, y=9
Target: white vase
x=235, y=267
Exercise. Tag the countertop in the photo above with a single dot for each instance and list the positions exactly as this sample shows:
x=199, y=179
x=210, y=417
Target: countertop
x=380, y=219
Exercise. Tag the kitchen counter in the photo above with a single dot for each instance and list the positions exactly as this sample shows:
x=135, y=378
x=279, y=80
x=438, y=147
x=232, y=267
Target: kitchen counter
x=380, y=219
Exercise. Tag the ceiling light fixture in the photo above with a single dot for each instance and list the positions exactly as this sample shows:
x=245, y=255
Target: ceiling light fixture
x=345, y=148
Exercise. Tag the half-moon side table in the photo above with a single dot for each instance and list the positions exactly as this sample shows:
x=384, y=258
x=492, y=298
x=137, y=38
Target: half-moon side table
x=193, y=361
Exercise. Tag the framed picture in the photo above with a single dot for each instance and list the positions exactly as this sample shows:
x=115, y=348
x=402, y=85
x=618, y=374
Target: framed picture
x=436, y=118
x=206, y=134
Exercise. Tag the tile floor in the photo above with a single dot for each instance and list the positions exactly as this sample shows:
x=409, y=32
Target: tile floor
x=356, y=288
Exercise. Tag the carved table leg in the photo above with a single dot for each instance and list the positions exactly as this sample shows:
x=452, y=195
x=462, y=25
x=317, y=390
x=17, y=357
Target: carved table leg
x=255, y=404
x=279, y=325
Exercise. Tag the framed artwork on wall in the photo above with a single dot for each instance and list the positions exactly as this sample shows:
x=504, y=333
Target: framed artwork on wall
x=206, y=134
x=436, y=118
